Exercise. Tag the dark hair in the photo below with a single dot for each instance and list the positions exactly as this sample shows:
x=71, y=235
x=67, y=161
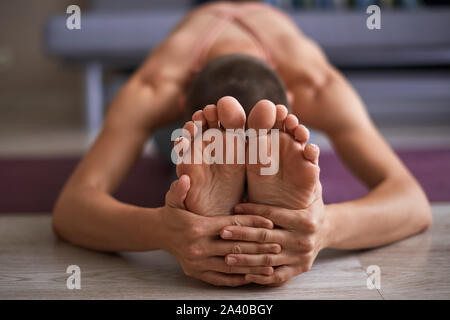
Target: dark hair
x=246, y=78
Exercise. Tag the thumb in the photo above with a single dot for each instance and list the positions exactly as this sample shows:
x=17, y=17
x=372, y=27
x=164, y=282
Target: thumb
x=178, y=191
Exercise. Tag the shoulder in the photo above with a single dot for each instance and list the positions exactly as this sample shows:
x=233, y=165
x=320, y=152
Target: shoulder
x=329, y=103
x=169, y=61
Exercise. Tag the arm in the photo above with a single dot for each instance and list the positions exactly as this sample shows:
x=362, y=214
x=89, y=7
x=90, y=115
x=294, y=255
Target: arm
x=85, y=213
x=396, y=206
x=86, y=202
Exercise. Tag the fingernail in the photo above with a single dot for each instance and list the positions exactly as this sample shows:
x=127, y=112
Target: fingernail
x=231, y=260
x=238, y=209
x=227, y=234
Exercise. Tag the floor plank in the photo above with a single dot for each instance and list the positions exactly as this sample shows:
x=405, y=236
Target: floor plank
x=33, y=265
x=417, y=267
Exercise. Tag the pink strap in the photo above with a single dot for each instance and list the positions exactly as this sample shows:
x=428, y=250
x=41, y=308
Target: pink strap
x=208, y=40
x=257, y=38
x=228, y=16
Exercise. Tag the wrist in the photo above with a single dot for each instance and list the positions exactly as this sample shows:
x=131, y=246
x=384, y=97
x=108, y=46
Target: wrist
x=330, y=226
x=157, y=230
x=146, y=232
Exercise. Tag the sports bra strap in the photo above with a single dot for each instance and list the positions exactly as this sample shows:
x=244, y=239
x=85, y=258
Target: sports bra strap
x=226, y=17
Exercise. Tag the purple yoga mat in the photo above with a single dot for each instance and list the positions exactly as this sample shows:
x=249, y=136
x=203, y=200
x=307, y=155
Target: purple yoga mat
x=430, y=167
x=32, y=185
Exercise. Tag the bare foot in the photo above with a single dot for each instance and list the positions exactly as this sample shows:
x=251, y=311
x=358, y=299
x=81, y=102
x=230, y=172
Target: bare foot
x=215, y=188
x=294, y=184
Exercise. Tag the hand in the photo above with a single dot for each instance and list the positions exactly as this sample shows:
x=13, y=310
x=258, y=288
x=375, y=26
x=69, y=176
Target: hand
x=304, y=233
x=195, y=243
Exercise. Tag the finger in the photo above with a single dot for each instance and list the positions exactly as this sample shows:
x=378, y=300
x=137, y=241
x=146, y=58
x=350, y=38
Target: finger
x=222, y=248
x=285, y=218
x=270, y=260
x=219, y=265
x=280, y=276
x=261, y=235
x=220, y=279
x=217, y=223
x=178, y=191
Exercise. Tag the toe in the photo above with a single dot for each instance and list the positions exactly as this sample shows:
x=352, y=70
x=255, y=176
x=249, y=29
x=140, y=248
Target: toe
x=210, y=113
x=311, y=153
x=230, y=113
x=291, y=124
x=191, y=130
x=181, y=145
x=262, y=115
x=301, y=134
x=199, y=119
x=281, y=114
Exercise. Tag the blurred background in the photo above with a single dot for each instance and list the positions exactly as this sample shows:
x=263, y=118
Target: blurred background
x=55, y=85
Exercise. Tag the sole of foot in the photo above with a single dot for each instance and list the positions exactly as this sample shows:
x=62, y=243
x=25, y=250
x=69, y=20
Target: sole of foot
x=215, y=188
x=293, y=185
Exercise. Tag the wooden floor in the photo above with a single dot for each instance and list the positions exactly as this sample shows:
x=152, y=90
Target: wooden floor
x=33, y=266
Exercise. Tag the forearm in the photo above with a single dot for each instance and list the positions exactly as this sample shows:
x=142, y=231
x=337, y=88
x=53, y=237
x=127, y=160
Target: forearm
x=393, y=210
x=86, y=214
x=93, y=219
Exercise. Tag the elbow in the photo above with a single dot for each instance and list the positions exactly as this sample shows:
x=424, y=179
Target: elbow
x=427, y=217
x=414, y=203
x=58, y=219
x=421, y=208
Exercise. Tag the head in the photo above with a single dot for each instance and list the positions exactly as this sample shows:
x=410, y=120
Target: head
x=246, y=78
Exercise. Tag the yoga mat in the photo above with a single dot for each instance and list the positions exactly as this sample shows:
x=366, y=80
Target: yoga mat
x=32, y=185
x=430, y=167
